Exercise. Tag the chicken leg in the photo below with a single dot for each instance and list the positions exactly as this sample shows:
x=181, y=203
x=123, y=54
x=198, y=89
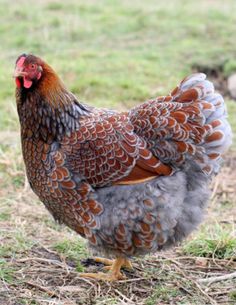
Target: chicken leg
x=109, y=262
x=113, y=266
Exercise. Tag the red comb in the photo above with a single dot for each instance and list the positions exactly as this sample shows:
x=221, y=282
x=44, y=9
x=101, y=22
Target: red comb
x=21, y=61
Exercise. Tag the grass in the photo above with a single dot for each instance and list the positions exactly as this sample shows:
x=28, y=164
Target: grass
x=233, y=295
x=162, y=293
x=111, y=54
x=6, y=273
x=95, y=47
x=231, y=107
x=214, y=241
x=73, y=250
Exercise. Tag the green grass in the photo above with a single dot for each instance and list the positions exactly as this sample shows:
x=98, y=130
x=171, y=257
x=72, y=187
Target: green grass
x=231, y=107
x=71, y=249
x=15, y=242
x=74, y=250
x=6, y=272
x=171, y=288
x=233, y=295
x=5, y=215
x=27, y=302
x=162, y=293
x=213, y=242
x=115, y=53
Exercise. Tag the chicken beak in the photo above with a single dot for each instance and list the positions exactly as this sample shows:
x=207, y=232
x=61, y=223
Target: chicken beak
x=19, y=72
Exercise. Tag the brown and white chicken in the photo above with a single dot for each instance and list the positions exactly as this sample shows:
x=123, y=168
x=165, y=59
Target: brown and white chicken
x=131, y=183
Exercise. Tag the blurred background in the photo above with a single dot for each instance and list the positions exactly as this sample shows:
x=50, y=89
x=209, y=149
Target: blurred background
x=112, y=54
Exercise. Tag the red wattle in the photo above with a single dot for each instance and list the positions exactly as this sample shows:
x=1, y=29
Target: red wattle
x=27, y=83
x=18, y=83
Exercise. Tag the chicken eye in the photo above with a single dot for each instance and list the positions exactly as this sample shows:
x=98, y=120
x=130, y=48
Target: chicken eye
x=32, y=66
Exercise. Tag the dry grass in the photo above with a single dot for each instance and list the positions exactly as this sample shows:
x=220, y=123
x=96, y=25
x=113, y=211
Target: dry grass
x=45, y=278
x=37, y=266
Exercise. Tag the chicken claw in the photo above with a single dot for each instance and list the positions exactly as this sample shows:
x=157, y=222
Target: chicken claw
x=114, y=268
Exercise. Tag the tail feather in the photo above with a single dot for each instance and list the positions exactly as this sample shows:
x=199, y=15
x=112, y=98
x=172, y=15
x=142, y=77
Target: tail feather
x=219, y=137
x=189, y=124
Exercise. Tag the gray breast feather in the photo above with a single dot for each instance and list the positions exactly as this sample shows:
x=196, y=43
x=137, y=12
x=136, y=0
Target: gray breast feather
x=177, y=208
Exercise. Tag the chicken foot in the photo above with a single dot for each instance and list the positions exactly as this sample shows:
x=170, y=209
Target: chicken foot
x=109, y=262
x=114, y=268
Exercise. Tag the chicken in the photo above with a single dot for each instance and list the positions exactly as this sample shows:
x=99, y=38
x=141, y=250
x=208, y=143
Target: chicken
x=131, y=183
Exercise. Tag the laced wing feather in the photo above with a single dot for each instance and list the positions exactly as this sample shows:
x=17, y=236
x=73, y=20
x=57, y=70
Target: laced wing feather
x=105, y=150
x=188, y=123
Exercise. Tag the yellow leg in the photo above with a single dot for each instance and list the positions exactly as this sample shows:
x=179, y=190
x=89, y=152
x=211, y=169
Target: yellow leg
x=109, y=262
x=126, y=265
x=105, y=261
x=114, y=273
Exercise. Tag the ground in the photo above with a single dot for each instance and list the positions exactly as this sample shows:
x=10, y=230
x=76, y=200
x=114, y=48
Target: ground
x=114, y=54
